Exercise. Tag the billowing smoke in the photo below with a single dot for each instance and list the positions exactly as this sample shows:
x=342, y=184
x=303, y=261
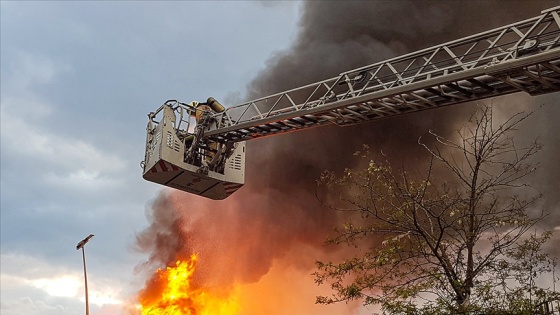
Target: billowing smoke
x=274, y=227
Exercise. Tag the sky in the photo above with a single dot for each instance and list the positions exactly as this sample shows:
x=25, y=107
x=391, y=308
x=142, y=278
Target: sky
x=78, y=79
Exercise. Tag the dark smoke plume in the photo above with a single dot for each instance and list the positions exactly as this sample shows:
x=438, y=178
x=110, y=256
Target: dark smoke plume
x=275, y=218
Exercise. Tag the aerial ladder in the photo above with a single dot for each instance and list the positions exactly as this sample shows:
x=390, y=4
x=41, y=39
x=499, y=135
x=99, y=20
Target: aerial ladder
x=200, y=147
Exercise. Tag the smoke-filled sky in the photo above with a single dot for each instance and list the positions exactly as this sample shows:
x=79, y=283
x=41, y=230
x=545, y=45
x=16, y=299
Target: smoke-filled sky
x=78, y=78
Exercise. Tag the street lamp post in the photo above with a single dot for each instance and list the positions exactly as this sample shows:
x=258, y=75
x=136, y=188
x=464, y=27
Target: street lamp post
x=81, y=245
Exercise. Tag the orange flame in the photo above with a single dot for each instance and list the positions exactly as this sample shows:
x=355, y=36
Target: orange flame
x=173, y=294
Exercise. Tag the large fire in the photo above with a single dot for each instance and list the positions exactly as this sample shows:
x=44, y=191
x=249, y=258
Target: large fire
x=171, y=293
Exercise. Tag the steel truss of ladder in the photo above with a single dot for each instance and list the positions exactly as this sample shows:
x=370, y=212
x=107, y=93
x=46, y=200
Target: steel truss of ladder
x=524, y=56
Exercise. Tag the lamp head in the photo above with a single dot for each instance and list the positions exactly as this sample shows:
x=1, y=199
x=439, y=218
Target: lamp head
x=83, y=242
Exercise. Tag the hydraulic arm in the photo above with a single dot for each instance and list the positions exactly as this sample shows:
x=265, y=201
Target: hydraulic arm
x=523, y=56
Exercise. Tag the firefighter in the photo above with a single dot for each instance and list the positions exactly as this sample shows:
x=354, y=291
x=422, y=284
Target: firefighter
x=203, y=111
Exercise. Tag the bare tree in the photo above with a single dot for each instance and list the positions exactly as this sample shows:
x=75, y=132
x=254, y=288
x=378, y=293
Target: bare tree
x=455, y=244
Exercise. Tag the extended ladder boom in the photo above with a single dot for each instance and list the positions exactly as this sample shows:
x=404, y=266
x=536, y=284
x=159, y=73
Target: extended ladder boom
x=523, y=56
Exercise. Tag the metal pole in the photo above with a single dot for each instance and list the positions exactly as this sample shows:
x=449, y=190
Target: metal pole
x=81, y=245
x=85, y=279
